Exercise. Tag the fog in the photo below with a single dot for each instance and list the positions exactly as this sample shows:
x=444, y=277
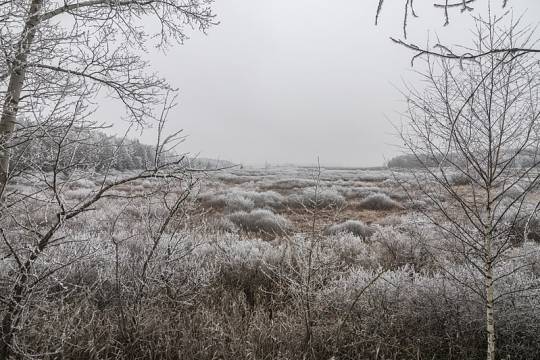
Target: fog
x=292, y=81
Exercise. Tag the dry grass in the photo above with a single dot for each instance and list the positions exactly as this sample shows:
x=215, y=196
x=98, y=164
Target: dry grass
x=219, y=288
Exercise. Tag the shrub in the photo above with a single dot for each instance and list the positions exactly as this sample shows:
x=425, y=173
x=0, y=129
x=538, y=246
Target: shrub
x=515, y=191
x=345, y=250
x=409, y=161
x=260, y=220
x=393, y=249
x=352, y=192
x=232, y=297
x=386, y=316
x=459, y=179
x=77, y=193
x=233, y=178
x=82, y=183
x=523, y=222
x=317, y=198
x=265, y=199
x=241, y=200
x=391, y=220
x=289, y=184
x=355, y=227
x=235, y=202
x=379, y=202
x=224, y=224
x=372, y=176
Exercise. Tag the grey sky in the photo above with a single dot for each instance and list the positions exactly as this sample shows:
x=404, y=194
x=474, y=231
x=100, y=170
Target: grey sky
x=285, y=81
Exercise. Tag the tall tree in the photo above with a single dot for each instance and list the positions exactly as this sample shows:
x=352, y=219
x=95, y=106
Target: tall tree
x=478, y=120
x=56, y=58
x=86, y=48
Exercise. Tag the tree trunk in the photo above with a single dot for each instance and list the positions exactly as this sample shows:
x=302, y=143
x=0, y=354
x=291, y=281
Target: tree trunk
x=11, y=101
x=7, y=335
x=11, y=317
x=489, y=282
x=490, y=318
x=489, y=285
x=8, y=118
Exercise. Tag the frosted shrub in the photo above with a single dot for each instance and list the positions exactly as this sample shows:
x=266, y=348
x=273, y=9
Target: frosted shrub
x=224, y=224
x=391, y=220
x=379, y=202
x=266, y=199
x=348, y=248
x=359, y=192
x=227, y=200
x=459, y=179
x=355, y=227
x=514, y=191
x=289, y=184
x=83, y=183
x=420, y=204
x=401, y=307
x=390, y=183
x=235, y=202
x=317, y=198
x=252, y=253
x=211, y=199
x=532, y=228
x=531, y=251
x=78, y=193
x=518, y=308
x=247, y=267
x=393, y=249
x=372, y=176
x=260, y=220
x=522, y=222
x=241, y=200
x=233, y=178
x=398, y=195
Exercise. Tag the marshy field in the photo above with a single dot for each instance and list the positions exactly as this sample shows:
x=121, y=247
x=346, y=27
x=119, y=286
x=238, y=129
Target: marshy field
x=263, y=263
x=136, y=224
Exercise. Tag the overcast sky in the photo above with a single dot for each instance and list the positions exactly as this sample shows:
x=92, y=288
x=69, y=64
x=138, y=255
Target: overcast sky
x=287, y=81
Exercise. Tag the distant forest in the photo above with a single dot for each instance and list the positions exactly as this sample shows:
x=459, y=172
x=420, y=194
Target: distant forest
x=410, y=161
x=91, y=149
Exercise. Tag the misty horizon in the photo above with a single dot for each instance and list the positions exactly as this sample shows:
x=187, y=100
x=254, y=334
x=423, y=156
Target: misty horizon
x=264, y=86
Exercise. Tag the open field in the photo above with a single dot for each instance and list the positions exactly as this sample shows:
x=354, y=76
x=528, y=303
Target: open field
x=275, y=263
x=302, y=195
x=132, y=228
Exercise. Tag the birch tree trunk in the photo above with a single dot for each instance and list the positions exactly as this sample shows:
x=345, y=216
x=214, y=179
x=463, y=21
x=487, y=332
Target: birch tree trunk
x=489, y=285
x=8, y=119
x=12, y=98
x=480, y=119
x=50, y=87
x=490, y=318
x=489, y=288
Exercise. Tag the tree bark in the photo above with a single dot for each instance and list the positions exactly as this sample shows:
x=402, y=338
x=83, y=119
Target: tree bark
x=11, y=101
x=490, y=318
x=10, y=318
x=8, y=119
x=489, y=285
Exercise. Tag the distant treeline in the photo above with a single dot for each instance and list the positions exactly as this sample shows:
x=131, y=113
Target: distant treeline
x=410, y=161
x=44, y=149
x=80, y=149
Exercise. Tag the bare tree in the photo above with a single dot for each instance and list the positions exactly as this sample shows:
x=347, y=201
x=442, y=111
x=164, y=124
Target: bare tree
x=89, y=48
x=445, y=51
x=480, y=121
x=36, y=220
x=57, y=58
